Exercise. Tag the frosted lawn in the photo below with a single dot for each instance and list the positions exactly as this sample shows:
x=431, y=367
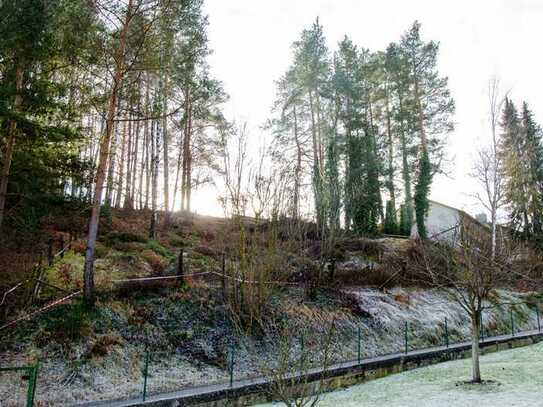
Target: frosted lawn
x=519, y=373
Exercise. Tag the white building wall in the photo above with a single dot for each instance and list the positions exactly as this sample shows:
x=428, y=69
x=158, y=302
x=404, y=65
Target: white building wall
x=439, y=219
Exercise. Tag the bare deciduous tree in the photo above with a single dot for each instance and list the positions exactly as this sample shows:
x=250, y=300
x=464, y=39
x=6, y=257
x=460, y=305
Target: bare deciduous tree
x=468, y=269
x=487, y=167
x=291, y=377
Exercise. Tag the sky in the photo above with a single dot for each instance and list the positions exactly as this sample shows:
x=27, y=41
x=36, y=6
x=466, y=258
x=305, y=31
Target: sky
x=251, y=42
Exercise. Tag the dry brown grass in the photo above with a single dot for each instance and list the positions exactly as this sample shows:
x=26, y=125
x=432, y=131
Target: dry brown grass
x=155, y=261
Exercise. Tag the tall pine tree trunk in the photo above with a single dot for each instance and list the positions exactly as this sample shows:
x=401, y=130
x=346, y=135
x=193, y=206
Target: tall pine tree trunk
x=185, y=176
x=165, y=145
x=112, y=160
x=298, y=169
x=406, y=172
x=154, y=178
x=390, y=140
x=317, y=173
x=88, y=271
x=189, y=163
x=120, y=178
x=10, y=145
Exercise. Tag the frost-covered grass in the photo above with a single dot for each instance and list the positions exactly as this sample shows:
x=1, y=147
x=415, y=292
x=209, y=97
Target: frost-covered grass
x=188, y=336
x=518, y=376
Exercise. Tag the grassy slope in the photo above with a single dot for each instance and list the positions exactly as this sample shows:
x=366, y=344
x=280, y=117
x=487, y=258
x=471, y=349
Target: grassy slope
x=100, y=354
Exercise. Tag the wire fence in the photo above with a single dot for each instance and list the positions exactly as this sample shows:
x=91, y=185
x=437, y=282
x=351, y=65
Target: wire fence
x=23, y=379
x=144, y=372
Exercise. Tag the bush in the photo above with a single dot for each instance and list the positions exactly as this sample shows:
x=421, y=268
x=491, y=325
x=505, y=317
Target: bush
x=103, y=344
x=158, y=249
x=100, y=250
x=128, y=247
x=67, y=324
x=177, y=241
x=79, y=246
x=155, y=261
x=125, y=237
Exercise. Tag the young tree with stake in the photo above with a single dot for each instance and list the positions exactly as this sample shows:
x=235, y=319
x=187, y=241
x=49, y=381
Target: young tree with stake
x=469, y=270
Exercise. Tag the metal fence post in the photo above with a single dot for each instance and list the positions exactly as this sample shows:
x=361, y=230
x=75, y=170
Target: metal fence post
x=302, y=352
x=446, y=333
x=538, y=320
x=231, y=365
x=32, y=378
x=406, y=339
x=482, y=328
x=36, y=369
x=359, y=339
x=512, y=323
x=145, y=374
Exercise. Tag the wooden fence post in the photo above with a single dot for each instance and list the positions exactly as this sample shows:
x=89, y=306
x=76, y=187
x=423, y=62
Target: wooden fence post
x=180, y=266
x=50, y=252
x=223, y=277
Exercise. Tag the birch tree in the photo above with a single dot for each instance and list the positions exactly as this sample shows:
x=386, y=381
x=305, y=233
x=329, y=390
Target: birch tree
x=487, y=169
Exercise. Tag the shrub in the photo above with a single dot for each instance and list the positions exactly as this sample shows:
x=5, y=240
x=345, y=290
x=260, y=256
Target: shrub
x=79, y=246
x=205, y=250
x=65, y=271
x=158, y=249
x=68, y=324
x=100, y=250
x=155, y=261
x=128, y=246
x=125, y=237
x=103, y=344
x=176, y=241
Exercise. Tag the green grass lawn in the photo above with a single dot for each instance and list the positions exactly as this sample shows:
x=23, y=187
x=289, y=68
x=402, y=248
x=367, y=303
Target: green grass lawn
x=518, y=374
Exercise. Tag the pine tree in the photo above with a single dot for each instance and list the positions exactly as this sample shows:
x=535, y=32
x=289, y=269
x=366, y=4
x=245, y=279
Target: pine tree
x=531, y=133
x=333, y=184
x=521, y=152
x=38, y=42
x=405, y=222
x=511, y=151
x=391, y=225
x=433, y=108
x=398, y=70
x=422, y=190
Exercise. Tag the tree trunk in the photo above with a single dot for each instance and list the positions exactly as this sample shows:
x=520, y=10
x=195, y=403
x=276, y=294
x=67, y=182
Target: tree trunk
x=317, y=173
x=120, y=178
x=186, y=143
x=112, y=159
x=298, y=170
x=145, y=148
x=391, y=189
x=165, y=145
x=129, y=157
x=189, y=163
x=423, y=141
x=154, y=175
x=475, y=351
x=88, y=288
x=406, y=171
x=10, y=145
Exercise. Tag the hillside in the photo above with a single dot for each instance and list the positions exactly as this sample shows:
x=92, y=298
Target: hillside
x=189, y=327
